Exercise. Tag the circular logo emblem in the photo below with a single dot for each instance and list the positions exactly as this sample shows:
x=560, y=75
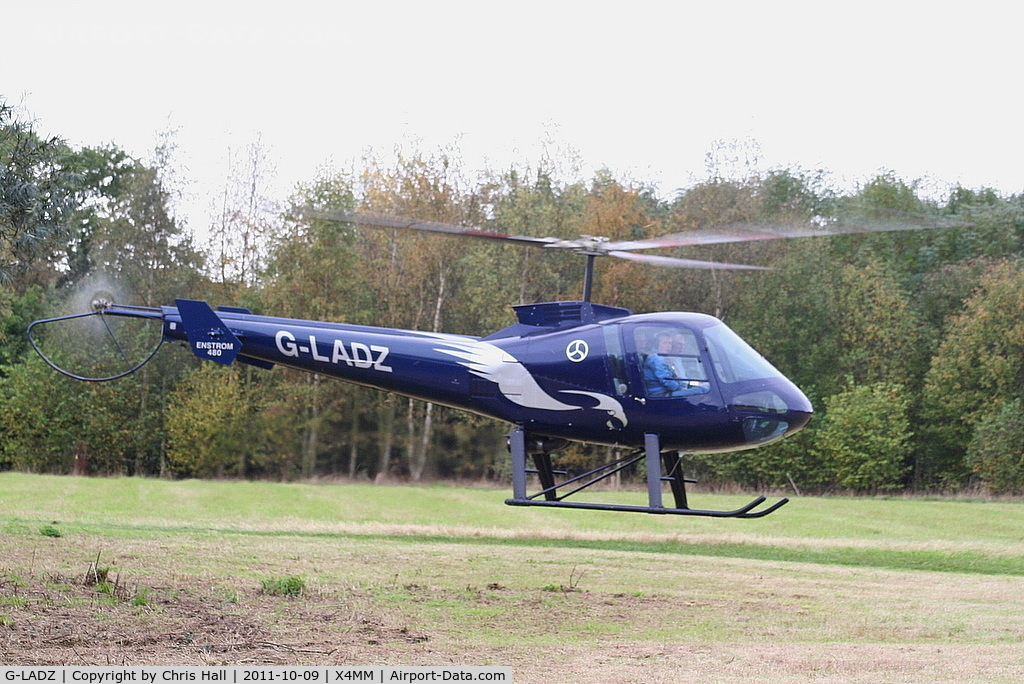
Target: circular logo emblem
x=577, y=350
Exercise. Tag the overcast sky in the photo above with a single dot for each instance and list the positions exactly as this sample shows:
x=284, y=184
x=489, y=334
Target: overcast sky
x=929, y=90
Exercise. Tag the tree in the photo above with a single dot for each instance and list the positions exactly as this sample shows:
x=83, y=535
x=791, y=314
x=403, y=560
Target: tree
x=36, y=194
x=534, y=202
x=312, y=272
x=240, y=236
x=40, y=417
x=129, y=240
x=795, y=195
x=104, y=176
x=123, y=234
x=713, y=203
x=979, y=365
x=109, y=428
x=866, y=435
x=788, y=314
x=887, y=193
x=421, y=276
x=206, y=424
x=621, y=211
x=792, y=462
x=17, y=310
x=877, y=332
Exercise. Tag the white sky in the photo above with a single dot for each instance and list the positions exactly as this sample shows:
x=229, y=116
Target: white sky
x=929, y=90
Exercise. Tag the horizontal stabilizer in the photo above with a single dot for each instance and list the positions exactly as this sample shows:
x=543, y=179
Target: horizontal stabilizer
x=207, y=335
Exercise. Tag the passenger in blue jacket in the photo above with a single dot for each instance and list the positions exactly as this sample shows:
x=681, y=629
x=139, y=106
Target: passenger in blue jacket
x=660, y=375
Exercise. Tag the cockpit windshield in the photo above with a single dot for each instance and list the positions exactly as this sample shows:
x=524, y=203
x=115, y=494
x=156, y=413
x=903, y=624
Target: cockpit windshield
x=735, y=360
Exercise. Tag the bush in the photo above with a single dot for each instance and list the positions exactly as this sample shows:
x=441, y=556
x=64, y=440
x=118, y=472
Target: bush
x=866, y=436
x=996, y=450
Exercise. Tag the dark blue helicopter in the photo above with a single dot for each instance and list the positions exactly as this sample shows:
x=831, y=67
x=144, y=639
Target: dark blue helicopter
x=565, y=371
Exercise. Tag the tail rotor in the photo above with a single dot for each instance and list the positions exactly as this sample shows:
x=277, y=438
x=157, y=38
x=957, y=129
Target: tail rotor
x=107, y=343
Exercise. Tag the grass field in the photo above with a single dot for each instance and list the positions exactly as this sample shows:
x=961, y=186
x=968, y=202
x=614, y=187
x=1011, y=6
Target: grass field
x=139, y=571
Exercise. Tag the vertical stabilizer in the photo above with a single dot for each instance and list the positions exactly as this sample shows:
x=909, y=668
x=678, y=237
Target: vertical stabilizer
x=209, y=338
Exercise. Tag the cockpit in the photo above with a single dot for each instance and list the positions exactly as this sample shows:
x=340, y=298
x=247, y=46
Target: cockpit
x=700, y=358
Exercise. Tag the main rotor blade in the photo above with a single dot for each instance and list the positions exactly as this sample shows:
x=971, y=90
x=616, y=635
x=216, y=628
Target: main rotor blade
x=599, y=246
x=371, y=220
x=750, y=232
x=673, y=262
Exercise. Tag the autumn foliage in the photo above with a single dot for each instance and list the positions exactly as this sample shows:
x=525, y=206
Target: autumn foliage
x=910, y=344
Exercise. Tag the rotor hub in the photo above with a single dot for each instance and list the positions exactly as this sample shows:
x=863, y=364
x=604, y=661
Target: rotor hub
x=101, y=304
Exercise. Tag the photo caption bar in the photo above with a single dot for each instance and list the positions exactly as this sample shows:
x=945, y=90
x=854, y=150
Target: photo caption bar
x=242, y=675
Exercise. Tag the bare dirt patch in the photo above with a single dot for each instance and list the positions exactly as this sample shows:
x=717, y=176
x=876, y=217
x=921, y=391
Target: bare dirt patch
x=72, y=623
x=57, y=608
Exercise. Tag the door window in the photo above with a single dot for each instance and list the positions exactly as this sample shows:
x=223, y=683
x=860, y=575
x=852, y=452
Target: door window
x=671, y=362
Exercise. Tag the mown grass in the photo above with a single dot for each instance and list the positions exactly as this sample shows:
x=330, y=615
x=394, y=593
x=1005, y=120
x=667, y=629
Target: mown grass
x=915, y=533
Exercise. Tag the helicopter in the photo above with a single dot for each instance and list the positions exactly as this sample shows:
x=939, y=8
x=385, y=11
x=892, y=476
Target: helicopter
x=565, y=371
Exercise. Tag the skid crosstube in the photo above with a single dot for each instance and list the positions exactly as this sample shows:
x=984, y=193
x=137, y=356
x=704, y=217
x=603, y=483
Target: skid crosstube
x=554, y=495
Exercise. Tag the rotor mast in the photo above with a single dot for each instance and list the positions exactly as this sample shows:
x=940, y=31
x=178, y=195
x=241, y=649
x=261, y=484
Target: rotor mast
x=589, y=247
x=588, y=277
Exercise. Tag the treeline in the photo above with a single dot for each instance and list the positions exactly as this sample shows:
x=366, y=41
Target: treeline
x=909, y=343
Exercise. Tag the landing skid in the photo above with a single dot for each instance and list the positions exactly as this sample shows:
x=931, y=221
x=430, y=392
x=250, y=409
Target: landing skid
x=554, y=494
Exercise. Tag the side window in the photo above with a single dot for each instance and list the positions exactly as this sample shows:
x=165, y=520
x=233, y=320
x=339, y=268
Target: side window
x=616, y=360
x=670, y=361
x=686, y=356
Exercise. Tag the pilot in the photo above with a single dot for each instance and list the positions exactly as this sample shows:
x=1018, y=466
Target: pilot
x=660, y=376
x=683, y=344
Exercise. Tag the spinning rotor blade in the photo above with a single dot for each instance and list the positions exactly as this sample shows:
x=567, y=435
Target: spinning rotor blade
x=724, y=234
x=673, y=262
x=751, y=232
x=590, y=246
x=371, y=220
x=586, y=245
